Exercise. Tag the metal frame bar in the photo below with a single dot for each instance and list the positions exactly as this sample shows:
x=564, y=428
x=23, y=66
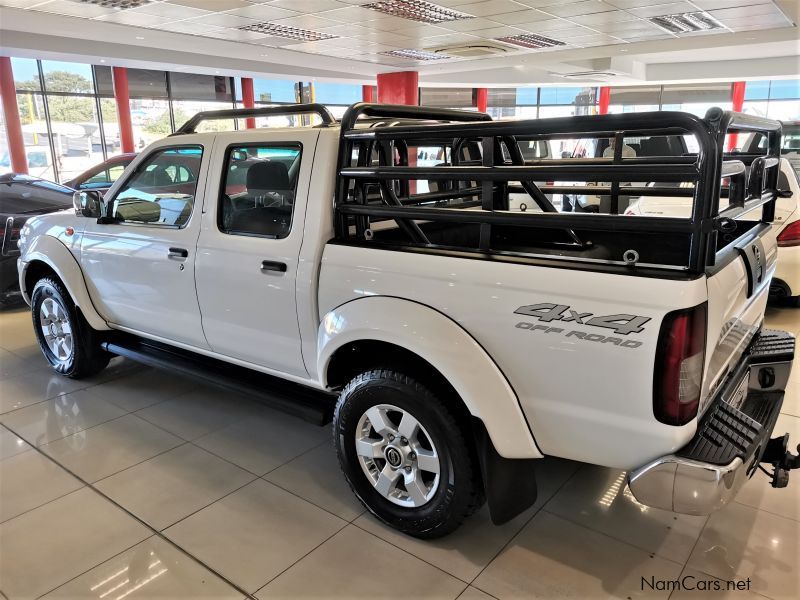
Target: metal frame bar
x=268, y=111
x=705, y=169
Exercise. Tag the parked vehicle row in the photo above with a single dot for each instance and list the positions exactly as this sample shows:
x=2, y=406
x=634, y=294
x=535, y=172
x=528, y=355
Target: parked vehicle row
x=22, y=196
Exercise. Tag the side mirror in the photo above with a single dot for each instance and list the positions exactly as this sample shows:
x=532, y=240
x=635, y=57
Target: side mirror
x=88, y=203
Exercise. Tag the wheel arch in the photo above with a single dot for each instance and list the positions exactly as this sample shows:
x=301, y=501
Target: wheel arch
x=353, y=335
x=49, y=256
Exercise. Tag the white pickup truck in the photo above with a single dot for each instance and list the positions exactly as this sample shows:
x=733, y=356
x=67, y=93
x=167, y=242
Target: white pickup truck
x=465, y=341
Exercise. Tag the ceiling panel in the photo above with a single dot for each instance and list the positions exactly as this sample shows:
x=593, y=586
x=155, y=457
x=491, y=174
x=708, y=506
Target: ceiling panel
x=571, y=9
x=174, y=11
x=491, y=7
x=524, y=16
x=306, y=6
x=716, y=4
x=746, y=11
x=611, y=16
x=213, y=5
x=262, y=12
x=65, y=7
x=671, y=8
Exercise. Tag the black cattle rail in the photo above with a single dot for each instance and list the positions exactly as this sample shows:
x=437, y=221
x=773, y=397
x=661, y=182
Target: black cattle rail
x=376, y=170
x=266, y=111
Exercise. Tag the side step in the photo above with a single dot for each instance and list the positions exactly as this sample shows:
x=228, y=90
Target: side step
x=310, y=405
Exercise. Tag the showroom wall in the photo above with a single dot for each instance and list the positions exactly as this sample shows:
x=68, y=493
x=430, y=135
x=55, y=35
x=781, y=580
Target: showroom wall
x=68, y=110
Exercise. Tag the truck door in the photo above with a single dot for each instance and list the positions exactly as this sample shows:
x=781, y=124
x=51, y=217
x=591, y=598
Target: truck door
x=140, y=268
x=247, y=254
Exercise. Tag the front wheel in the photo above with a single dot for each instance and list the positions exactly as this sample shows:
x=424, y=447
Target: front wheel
x=404, y=455
x=67, y=341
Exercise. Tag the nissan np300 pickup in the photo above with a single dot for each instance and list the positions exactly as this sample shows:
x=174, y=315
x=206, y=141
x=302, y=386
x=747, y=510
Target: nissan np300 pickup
x=464, y=340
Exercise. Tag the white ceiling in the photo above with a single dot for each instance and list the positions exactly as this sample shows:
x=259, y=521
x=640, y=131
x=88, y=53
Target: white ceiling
x=758, y=38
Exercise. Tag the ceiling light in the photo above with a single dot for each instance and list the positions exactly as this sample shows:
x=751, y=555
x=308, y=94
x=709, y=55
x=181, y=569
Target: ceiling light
x=115, y=4
x=529, y=40
x=418, y=10
x=293, y=33
x=415, y=54
x=686, y=22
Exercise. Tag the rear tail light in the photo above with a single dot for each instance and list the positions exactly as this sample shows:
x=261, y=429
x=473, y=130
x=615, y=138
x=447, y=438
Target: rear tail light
x=549, y=182
x=790, y=236
x=679, y=366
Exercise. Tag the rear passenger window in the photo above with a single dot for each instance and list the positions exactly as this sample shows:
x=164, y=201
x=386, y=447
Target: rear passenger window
x=258, y=191
x=162, y=189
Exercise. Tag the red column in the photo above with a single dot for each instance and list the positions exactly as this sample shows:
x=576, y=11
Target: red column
x=121, y=95
x=368, y=93
x=249, y=100
x=482, y=99
x=398, y=88
x=737, y=98
x=605, y=98
x=8, y=93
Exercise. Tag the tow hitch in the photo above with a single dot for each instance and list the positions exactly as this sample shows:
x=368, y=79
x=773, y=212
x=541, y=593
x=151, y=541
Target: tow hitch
x=777, y=454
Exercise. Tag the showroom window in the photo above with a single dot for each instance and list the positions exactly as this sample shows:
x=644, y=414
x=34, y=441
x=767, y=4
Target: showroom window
x=162, y=189
x=336, y=96
x=259, y=190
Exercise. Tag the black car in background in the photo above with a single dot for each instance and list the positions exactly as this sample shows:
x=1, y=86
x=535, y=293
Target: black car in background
x=22, y=197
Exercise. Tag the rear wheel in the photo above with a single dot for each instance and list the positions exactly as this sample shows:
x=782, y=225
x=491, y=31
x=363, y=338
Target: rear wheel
x=404, y=454
x=67, y=341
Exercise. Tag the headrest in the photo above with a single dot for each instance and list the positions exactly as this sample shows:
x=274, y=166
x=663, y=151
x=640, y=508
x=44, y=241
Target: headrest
x=268, y=175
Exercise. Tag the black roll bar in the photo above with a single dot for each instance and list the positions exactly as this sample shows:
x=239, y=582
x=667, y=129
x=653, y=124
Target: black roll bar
x=265, y=111
x=493, y=176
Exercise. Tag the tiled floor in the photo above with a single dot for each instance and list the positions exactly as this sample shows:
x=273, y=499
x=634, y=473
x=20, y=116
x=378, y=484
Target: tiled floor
x=145, y=484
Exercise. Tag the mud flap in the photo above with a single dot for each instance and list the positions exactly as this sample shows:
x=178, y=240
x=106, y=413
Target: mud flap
x=509, y=483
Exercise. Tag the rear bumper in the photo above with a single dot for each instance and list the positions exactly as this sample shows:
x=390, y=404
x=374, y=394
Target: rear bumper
x=731, y=437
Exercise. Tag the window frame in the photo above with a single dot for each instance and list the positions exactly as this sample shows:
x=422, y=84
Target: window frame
x=111, y=202
x=224, y=180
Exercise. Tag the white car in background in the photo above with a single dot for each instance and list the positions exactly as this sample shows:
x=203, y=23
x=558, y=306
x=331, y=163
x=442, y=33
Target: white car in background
x=786, y=282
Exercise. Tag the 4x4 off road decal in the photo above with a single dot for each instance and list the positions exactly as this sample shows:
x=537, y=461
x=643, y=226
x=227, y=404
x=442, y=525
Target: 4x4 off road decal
x=547, y=312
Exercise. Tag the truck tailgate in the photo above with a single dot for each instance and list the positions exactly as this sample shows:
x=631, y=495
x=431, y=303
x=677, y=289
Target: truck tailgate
x=737, y=296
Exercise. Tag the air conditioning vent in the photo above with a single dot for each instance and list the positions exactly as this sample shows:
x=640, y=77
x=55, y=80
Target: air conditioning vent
x=687, y=22
x=600, y=75
x=477, y=50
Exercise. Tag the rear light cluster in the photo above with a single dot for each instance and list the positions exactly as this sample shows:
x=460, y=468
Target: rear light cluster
x=680, y=359
x=790, y=236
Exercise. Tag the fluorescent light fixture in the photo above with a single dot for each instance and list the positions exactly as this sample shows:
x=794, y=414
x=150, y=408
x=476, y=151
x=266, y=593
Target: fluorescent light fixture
x=293, y=33
x=415, y=54
x=116, y=4
x=686, y=22
x=529, y=40
x=418, y=10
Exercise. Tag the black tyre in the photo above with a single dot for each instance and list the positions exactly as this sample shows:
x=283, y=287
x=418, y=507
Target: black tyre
x=404, y=454
x=67, y=341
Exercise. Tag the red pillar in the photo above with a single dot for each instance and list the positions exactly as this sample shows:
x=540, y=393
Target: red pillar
x=398, y=88
x=8, y=93
x=482, y=99
x=737, y=98
x=368, y=93
x=605, y=98
x=249, y=100
x=121, y=95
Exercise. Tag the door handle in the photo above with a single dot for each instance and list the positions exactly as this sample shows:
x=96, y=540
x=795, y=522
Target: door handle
x=178, y=253
x=271, y=265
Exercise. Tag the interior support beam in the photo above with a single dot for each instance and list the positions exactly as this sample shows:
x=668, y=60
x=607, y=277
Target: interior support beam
x=123, y=100
x=8, y=94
